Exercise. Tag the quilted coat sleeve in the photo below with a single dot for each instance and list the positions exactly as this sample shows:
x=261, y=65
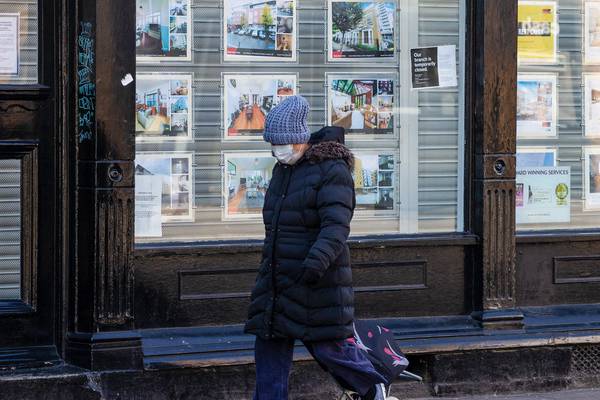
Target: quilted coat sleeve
x=335, y=204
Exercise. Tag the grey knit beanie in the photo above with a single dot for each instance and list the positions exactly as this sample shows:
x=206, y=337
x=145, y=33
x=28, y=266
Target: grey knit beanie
x=286, y=122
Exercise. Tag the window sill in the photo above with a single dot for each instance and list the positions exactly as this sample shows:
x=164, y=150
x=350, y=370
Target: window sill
x=532, y=237
x=251, y=246
x=24, y=92
x=14, y=307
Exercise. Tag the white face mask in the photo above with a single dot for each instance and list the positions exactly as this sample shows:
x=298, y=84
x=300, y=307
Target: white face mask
x=285, y=154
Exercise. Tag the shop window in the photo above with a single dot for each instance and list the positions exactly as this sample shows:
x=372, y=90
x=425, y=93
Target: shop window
x=209, y=72
x=18, y=227
x=558, y=115
x=10, y=229
x=18, y=42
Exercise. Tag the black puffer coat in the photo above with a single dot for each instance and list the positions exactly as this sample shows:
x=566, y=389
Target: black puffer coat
x=304, y=285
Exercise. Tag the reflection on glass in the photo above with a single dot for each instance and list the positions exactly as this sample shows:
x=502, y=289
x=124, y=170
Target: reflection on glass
x=208, y=105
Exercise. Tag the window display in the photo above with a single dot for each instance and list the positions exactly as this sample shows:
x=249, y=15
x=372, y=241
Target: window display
x=592, y=104
x=592, y=32
x=162, y=107
x=536, y=105
x=248, y=99
x=361, y=29
x=537, y=32
x=162, y=30
x=363, y=105
x=433, y=67
x=173, y=173
x=543, y=189
x=592, y=178
x=374, y=181
x=260, y=30
x=558, y=116
x=344, y=57
x=247, y=177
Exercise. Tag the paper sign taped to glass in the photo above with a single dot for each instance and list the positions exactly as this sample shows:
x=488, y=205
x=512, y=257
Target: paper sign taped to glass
x=537, y=32
x=433, y=67
x=148, y=206
x=9, y=44
x=543, y=195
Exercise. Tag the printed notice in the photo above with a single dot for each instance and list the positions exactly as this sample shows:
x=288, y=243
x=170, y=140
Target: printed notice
x=9, y=44
x=148, y=205
x=433, y=67
x=543, y=195
x=537, y=38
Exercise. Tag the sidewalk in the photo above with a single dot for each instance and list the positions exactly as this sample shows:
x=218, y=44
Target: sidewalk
x=584, y=394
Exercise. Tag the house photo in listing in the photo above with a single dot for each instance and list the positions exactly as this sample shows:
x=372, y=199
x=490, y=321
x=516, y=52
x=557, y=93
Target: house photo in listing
x=374, y=176
x=361, y=105
x=259, y=30
x=361, y=29
x=249, y=98
x=536, y=105
x=247, y=178
x=162, y=30
x=162, y=107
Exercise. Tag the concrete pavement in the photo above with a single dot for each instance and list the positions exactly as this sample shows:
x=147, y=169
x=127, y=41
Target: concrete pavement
x=584, y=394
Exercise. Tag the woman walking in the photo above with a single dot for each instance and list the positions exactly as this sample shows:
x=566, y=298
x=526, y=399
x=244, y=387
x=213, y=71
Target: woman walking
x=304, y=285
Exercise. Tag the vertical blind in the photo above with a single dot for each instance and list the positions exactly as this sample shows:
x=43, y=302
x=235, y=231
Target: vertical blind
x=10, y=229
x=428, y=144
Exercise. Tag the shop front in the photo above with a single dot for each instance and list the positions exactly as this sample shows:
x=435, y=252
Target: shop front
x=133, y=174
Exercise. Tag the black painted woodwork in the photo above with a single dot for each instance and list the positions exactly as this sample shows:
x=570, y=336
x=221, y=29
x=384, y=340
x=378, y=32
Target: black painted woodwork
x=31, y=129
x=100, y=326
x=492, y=74
x=183, y=304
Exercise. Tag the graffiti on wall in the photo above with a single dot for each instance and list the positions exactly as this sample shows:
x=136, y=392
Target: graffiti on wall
x=86, y=82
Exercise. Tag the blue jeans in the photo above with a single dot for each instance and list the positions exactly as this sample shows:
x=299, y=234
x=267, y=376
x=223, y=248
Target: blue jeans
x=341, y=358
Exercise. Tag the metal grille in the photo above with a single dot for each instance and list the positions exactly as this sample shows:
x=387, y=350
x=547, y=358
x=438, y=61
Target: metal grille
x=28, y=40
x=10, y=229
x=586, y=360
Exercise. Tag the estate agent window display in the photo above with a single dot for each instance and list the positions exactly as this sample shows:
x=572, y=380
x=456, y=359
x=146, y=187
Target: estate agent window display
x=208, y=104
x=558, y=129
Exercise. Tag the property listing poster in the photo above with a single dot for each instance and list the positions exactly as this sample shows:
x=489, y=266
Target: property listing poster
x=528, y=157
x=259, y=30
x=148, y=205
x=374, y=177
x=246, y=179
x=543, y=195
x=163, y=30
x=592, y=104
x=162, y=107
x=536, y=105
x=537, y=32
x=363, y=105
x=174, y=172
x=592, y=32
x=361, y=29
x=592, y=177
x=249, y=98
